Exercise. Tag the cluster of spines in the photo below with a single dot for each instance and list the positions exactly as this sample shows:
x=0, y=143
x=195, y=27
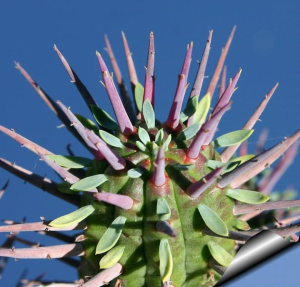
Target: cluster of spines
x=101, y=150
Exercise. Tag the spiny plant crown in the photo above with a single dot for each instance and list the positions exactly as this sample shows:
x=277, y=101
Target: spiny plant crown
x=157, y=204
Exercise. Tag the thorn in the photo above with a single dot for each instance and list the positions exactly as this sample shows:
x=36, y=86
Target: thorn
x=158, y=178
x=197, y=188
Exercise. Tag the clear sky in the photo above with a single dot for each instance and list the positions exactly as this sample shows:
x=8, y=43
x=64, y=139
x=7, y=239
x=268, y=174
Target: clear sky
x=266, y=46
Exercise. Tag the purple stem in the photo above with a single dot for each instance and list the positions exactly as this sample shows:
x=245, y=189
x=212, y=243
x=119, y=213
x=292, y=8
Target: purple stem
x=267, y=183
x=255, y=165
x=67, y=176
x=158, y=178
x=116, y=161
x=41, y=182
x=130, y=64
x=80, y=129
x=225, y=98
x=261, y=141
x=223, y=81
x=221, y=103
x=283, y=146
x=214, y=80
x=149, y=76
x=197, y=188
x=174, y=115
x=51, y=252
x=120, y=112
x=195, y=147
x=195, y=92
x=122, y=87
x=249, y=208
x=123, y=201
x=75, y=80
x=40, y=226
x=25, y=142
x=49, y=102
x=115, y=66
x=228, y=152
x=105, y=276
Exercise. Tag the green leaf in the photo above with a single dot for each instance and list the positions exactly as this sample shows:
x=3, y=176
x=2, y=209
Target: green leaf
x=135, y=172
x=87, y=123
x=65, y=187
x=149, y=115
x=232, y=138
x=165, y=260
x=213, y=164
x=159, y=137
x=247, y=196
x=111, y=139
x=104, y=119
x=162, y=209
x=237, y=161
x=202, y=110
x=189, y=132
x=111, y=235
x=183, y=166
x=212, y=220
x=219, y=254
x=73, y=217
x=167, y=142
x=71, y=161
x=139, y=96
x=143, y=135
x=190, y=109
x=241, y=225
x=140, y=146
x=112, y=257
x=89, y=183
x=242, y=159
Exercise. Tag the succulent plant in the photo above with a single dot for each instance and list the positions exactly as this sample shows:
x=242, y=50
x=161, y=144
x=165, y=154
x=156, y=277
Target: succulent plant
x=157, y=204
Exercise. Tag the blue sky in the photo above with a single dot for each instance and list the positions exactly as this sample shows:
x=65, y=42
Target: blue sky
x=266, y=46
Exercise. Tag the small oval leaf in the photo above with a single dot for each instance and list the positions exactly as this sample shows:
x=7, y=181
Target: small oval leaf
x=219, y=254
x=189, y=132
x=212, y=220
x=71, y=161
x=89, y=183
x=232, y=138
x=65, y=187
x=241, y=225
x=163, y=209
x=159, y=137
x=247, y=196
x=140, y=146
x=149, y=115
x=202, y=110
x=143, y=135
x=73, y=217
x=213, y=164
x=89, y=124
x=111, y=139
x=139, y=96
x=242, y=159
x=112, y=257
x=104, y=119
x=167, y=142
x=190, y=109
x=111, y=235
x=135, y=172
x=165, y=260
